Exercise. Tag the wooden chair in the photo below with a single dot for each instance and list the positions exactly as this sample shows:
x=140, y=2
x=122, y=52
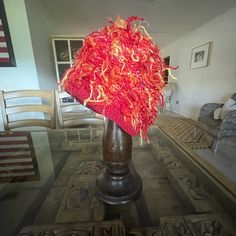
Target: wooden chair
x=18, y=161
x=27, y=108
x=72, y=114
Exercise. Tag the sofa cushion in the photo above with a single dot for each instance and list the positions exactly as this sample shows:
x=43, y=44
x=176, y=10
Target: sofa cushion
x=212, y=123
x=228, y=106
x=211, y=126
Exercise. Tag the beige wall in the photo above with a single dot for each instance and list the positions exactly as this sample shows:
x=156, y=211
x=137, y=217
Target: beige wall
x=42, y=25
x=214, y=83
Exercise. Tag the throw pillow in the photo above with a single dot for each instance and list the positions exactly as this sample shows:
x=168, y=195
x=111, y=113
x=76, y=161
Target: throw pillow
x=217, y=113
x=228, y=106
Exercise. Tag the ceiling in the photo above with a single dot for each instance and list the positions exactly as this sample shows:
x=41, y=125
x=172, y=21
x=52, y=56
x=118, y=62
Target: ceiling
x=169, y=20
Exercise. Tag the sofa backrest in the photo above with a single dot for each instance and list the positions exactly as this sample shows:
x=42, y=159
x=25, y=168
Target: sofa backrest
x=233, y=96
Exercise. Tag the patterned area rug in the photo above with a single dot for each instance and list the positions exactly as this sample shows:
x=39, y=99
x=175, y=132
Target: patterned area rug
x=191, y=225
x=185, y=130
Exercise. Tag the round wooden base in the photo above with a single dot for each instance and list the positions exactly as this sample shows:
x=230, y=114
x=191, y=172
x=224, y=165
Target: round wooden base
x=117, y=189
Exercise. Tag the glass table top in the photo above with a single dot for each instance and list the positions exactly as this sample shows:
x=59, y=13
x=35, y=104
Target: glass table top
x=47, y=178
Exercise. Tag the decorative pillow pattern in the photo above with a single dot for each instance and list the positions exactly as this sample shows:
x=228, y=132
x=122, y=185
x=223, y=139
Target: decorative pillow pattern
x=217, y=113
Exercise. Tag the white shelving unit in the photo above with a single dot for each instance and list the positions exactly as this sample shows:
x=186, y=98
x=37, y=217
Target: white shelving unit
x=64, y=49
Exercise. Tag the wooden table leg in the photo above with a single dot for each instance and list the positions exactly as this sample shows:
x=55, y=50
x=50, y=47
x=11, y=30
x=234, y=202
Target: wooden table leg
x=118, y=183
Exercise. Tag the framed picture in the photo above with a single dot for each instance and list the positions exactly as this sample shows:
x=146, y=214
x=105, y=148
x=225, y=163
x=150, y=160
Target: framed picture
x=200, y=56
x=7, y=57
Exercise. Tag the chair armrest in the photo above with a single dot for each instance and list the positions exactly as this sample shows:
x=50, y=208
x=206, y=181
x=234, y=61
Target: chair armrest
x=207, y=110
x=228, y=126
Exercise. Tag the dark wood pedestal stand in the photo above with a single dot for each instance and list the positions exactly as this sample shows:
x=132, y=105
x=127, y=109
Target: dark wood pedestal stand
x=118, y=183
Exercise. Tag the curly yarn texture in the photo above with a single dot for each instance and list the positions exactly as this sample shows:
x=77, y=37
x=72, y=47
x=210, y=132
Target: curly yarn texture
x=118, y=73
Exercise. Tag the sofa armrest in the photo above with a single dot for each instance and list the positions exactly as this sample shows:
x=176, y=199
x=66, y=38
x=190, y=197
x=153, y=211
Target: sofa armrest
x=207, y=111
x=228, y=126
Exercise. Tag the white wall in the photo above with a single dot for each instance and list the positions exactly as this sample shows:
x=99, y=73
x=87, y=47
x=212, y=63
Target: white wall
x=214, y=83
x=42, y=25
x=24, y=75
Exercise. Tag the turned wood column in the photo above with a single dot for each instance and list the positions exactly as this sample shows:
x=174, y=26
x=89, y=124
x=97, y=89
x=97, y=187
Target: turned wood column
x=118, y=182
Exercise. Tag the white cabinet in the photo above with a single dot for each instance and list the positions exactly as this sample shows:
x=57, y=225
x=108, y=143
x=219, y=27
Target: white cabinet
x=64, y=49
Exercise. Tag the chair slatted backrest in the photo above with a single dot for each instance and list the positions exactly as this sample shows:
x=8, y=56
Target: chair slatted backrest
x=73, y=114
x=26, y=108
x=17, y=157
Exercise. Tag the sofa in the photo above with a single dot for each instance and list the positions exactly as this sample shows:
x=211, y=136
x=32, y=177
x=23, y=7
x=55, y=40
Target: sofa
x=219, y=119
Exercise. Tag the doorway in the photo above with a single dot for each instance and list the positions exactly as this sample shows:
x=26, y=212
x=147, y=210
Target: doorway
x=166, y=72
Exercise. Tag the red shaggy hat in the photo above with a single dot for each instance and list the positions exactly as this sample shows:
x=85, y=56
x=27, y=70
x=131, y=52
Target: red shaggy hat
x=118, y=73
